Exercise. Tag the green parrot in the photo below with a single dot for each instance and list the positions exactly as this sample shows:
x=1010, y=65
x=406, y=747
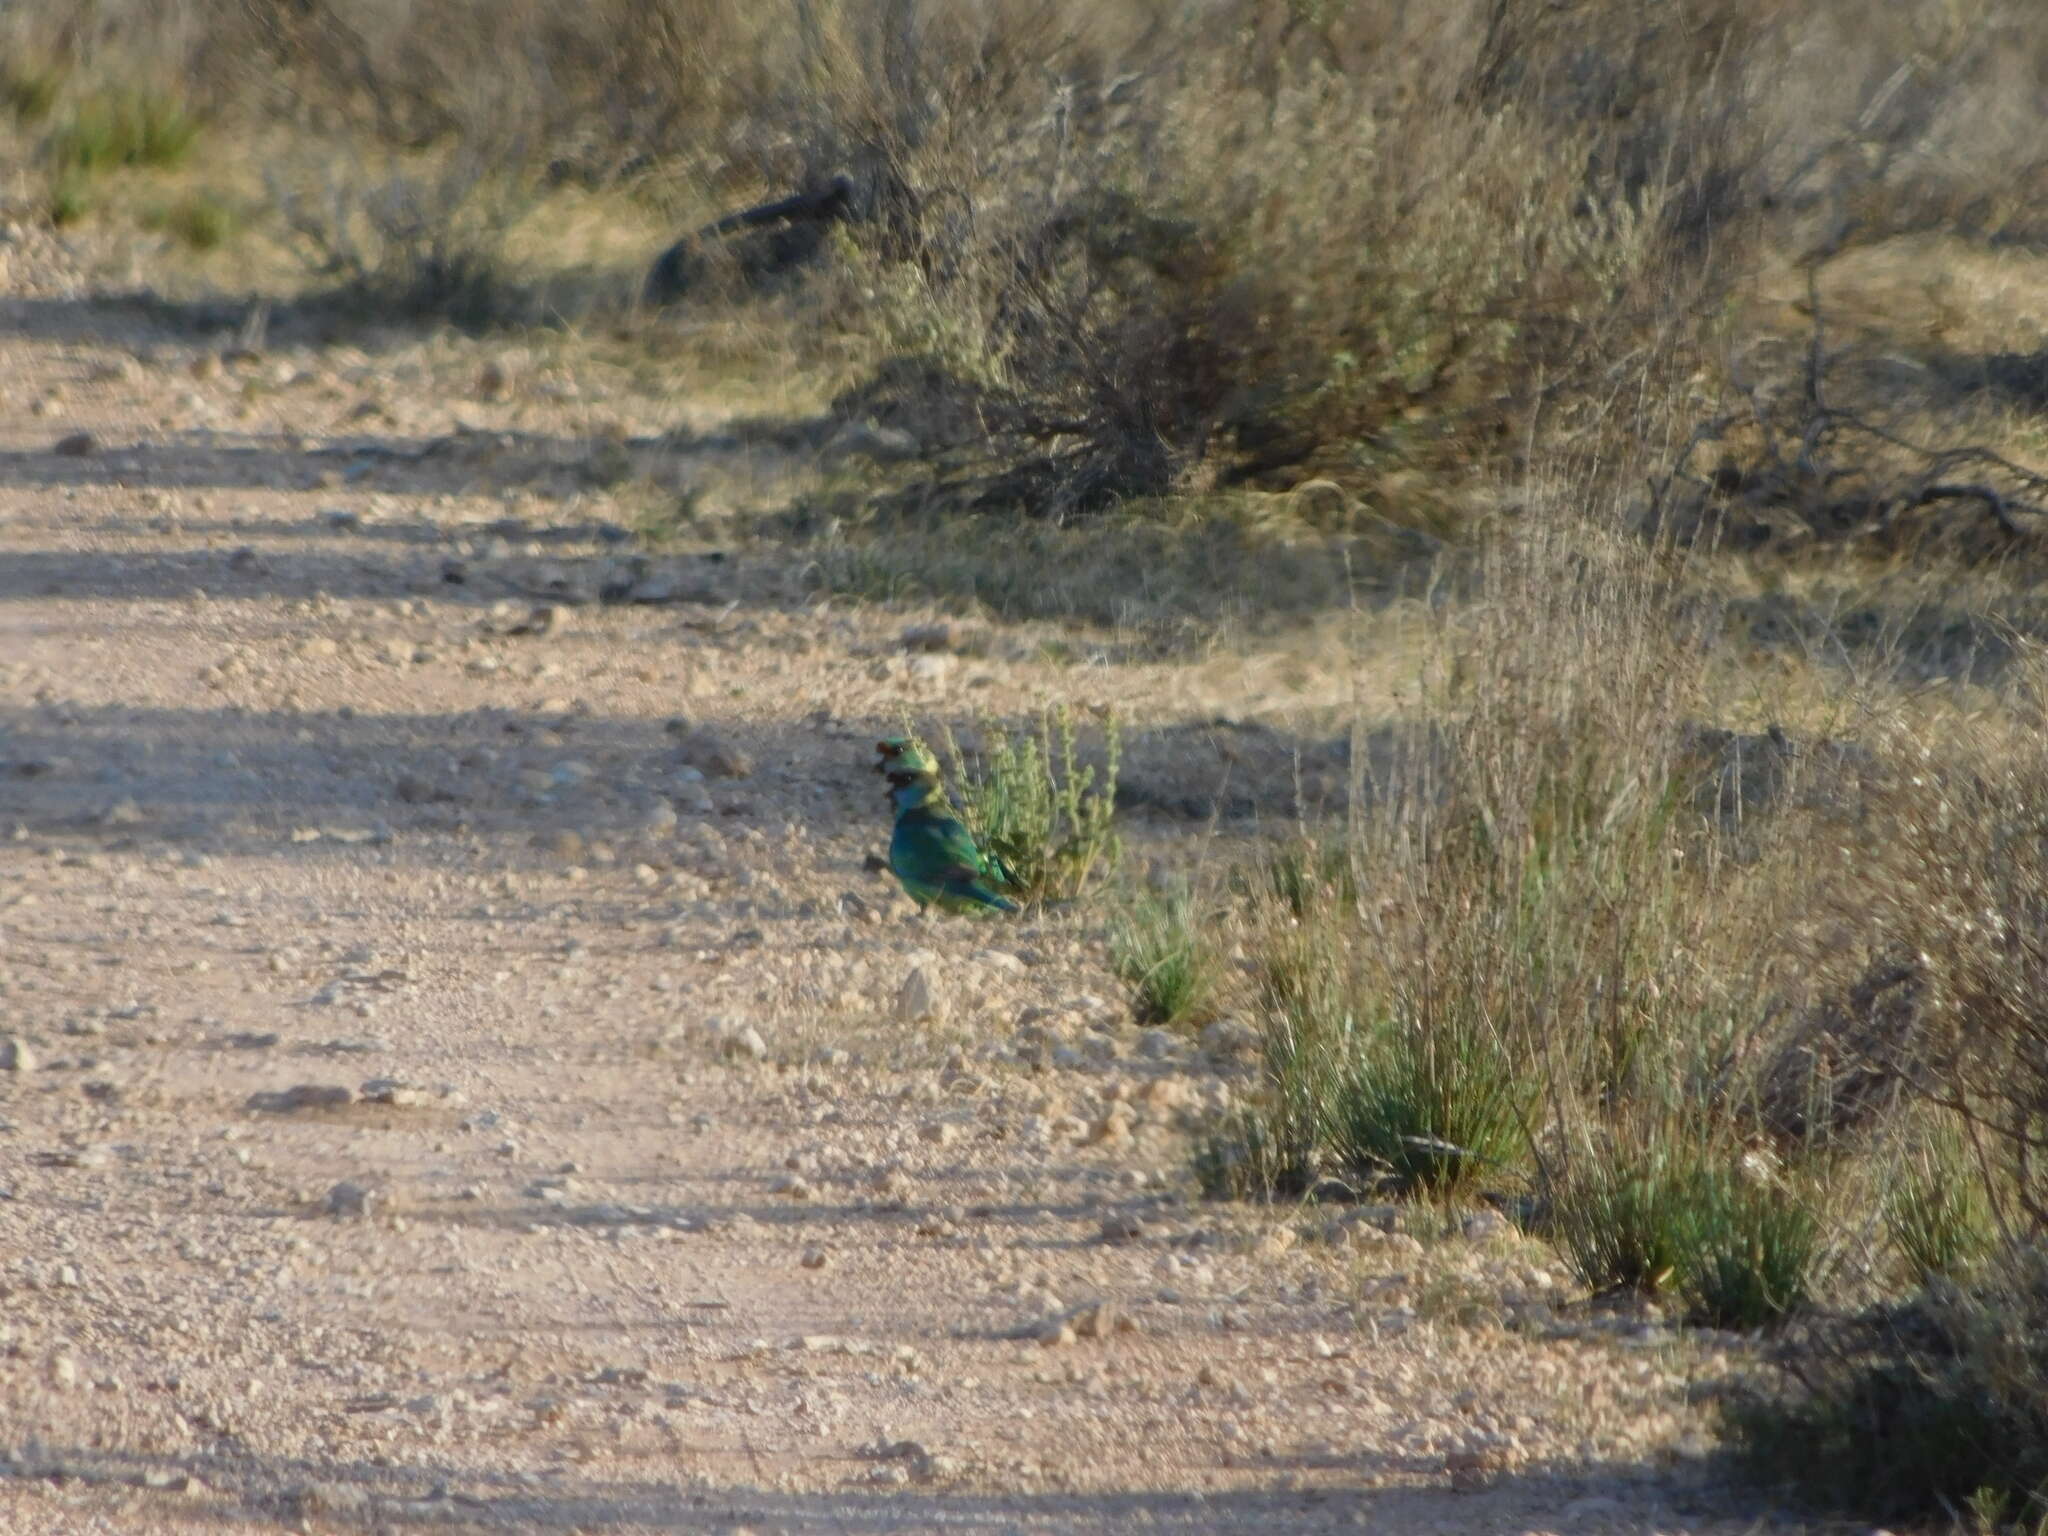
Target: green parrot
x=933, y=853
x=905, y=757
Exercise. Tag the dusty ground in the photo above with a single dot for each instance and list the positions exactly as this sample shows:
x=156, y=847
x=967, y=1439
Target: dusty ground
x=616, y=1195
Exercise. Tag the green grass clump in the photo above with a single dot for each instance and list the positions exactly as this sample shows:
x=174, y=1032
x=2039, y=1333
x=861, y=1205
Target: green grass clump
x=1422, y=1103
x=1276, y=1146
x=1433, y=1103
x=1758, y=1256
x=199, y=221
x=1030, y=803
x=70, y=198
x=113, y=128
x=1670, y=1215
x=1627, y=1221
x=1158, y=948
x=1306, y=875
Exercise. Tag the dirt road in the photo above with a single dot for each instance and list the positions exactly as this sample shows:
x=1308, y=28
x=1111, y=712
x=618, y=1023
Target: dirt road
x=453, y=1071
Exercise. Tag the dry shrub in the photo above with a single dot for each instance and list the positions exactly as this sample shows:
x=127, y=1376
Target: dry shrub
x=409, y=241
x=1923, y=1408
x=1802, y=469
x=1387, y=246
x=1918, y=1412
x=1960, y=882
x=1229, y=274
x=1200, y=242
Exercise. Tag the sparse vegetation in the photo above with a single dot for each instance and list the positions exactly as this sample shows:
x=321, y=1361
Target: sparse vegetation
x=1309, y=876
x=1736, y=1246
x=1936, y=1213
x=70, y=199
x=415, y=240
x=1661, y=364
x=103, y=130
x=201, y=221
x=1032, y=803
x=1160, y=949
x=1923, y=1410
x=1527, y=970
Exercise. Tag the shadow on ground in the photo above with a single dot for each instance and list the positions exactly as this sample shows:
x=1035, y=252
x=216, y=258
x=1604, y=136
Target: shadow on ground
x=431, y=788
x=332, y=782
x=373, y=317
x=471, y=462
x=217, y=1491
x=1909, y=639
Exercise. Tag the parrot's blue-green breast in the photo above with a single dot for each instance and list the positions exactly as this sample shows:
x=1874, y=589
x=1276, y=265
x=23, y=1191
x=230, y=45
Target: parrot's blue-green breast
x=935, y=856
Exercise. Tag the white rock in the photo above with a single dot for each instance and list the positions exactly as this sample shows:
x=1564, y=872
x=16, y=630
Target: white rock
x=918, y=999
x=393, y=1091
x=1053, y=1332
x=735, y=1038
x=657, y=818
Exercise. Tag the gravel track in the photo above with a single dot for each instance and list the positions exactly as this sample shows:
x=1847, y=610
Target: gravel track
x=453, y=1072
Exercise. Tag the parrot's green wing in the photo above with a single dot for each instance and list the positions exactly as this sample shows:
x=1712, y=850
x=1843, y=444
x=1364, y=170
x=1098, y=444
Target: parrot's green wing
x=935, y=857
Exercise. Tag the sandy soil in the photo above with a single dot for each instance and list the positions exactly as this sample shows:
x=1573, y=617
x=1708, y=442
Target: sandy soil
x=452, y=1065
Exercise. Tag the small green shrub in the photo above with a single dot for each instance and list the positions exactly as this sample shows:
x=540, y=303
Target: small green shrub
x=1628, y=1218
x=70, y=199
x=1158, y=948
x=1031, y=804
x=1758, y=1254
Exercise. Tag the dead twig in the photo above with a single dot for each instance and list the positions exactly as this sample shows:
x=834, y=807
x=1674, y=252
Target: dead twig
x=1807, y=467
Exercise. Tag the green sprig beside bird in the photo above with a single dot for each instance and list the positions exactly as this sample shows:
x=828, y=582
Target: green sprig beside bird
x=931, y=851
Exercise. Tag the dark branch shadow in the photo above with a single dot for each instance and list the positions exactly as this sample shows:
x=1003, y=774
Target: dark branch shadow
x=466, y=462
x=2015, y=379
x=248, y=1489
